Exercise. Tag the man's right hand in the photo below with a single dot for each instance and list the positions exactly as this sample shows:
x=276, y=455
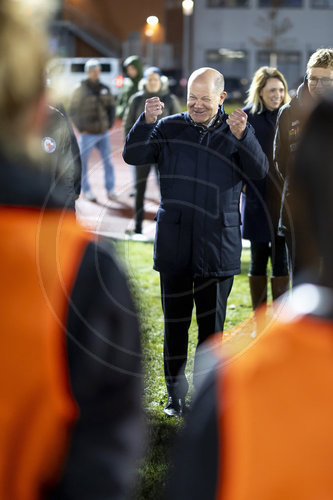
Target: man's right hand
x=153, y=108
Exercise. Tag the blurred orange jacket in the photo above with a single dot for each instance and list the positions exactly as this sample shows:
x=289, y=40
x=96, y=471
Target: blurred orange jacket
x=39, y=256
x=275, y=415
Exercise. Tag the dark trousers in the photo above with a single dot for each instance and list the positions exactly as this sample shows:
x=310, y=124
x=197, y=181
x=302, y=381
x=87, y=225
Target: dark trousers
x=178, y=294
x=141, y=176
x=302, y=257
x=262, y=251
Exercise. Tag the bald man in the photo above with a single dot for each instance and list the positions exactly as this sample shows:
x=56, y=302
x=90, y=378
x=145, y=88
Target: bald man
x=204, y=157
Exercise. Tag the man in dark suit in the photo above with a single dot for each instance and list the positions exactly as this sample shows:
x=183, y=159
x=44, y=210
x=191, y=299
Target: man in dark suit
x=204, y=157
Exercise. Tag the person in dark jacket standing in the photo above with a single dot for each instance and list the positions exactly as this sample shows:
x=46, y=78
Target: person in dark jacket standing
x=70, y=392
x=62, y=158
x=262, y=198
x=258, y=422
x=154, y=84
x=204, y=157
x=92, y=109
x=291, y=118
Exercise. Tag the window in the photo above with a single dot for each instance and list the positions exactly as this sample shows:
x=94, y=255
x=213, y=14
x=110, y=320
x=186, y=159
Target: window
x=277, y=4
x=227, y=3
x=226, y=56
x=321, y=4
x=79, y=68
x=233, y=65
x=105, y=68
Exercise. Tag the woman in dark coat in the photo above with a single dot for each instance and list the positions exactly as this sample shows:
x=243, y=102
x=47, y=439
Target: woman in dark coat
x=261, y=201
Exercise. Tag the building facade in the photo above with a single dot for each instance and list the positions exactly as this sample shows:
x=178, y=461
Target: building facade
x=238, y=36
x=96, y=28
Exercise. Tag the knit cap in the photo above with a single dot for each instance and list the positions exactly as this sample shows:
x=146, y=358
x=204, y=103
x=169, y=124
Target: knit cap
x=92, y=63
x=152, y=69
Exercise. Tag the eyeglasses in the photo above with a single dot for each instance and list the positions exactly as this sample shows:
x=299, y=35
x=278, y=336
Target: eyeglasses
x=326, y=82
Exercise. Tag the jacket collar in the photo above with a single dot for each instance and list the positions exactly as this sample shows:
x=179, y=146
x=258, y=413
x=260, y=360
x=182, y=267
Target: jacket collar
x=215, y=122
x=302, y=94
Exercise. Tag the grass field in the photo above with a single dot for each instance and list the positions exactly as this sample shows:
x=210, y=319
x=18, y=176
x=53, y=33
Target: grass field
x=228, y=107
x=137, y=258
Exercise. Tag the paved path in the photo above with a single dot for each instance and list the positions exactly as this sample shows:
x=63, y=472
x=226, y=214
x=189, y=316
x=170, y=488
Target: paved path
x=112, y=218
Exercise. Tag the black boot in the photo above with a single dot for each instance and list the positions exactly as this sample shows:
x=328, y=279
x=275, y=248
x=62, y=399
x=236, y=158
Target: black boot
x=174, y=407
x=258, y=290
x=280, y=285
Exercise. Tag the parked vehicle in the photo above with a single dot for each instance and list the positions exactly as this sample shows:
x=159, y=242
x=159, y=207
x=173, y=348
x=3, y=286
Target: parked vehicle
x=65, y=74
x=235, y=88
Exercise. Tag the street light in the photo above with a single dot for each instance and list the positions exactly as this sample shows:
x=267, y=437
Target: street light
x=150, y=31
x=152, y=20
x=187, y=6
x=151, y=26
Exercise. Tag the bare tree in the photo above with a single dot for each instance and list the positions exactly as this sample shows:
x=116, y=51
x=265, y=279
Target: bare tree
x=274, y=28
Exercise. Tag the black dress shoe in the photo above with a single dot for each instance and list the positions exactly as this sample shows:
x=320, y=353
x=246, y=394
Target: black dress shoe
x=174, y=407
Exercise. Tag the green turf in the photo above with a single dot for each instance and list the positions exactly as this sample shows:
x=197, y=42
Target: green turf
x=227, y=107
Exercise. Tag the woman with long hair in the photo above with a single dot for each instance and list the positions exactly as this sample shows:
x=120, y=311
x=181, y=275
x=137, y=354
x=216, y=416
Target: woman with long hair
x=261, y=200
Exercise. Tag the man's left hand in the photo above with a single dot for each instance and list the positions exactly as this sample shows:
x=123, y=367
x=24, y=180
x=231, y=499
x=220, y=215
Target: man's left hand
x=237, y=122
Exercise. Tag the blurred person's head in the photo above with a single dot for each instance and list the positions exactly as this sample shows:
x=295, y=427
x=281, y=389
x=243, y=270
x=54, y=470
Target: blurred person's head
x=23, y=57
x=131, y=71
x=93, y=69
x=319, y=73
x=205, y=93
x=152, y=78
x=268, y=89
x=312, y=182
x=133, y=67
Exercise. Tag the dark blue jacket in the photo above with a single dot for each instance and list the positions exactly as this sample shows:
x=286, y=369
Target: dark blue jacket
x=261, y=204
x=63, y=163
x=290, y=121
x=202, y=171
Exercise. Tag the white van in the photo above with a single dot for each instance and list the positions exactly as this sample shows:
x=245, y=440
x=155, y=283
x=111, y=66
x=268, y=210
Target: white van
x=65, y=74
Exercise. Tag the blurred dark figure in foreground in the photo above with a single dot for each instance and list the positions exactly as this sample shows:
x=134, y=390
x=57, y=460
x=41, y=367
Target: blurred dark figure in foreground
x=262, y=199
x=62, y=155
x=291, y=119
x=261, y=426
x=154, y=84
x=70, y=393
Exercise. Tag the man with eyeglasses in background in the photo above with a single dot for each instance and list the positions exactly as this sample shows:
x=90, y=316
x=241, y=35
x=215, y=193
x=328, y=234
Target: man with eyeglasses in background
x=318, y=82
